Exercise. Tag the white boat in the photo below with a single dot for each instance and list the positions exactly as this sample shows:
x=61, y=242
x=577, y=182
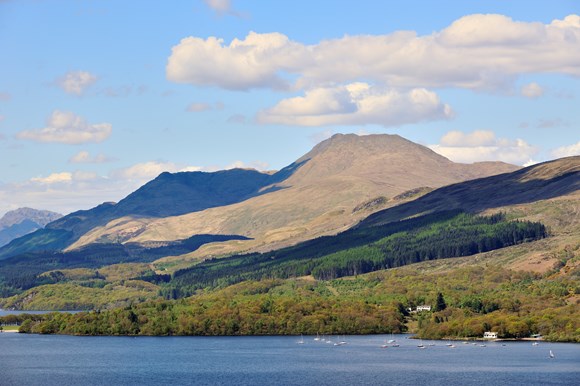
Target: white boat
x=340, y=342
x=535, y=344
x=317, y=337
x=551, y=354
x=301, y=341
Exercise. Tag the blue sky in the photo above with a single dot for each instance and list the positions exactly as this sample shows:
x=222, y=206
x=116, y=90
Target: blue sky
x=99, y=97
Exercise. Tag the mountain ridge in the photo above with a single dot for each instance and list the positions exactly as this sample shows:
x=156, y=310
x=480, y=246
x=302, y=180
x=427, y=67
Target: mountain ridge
x=317, y=197
x=312, y=196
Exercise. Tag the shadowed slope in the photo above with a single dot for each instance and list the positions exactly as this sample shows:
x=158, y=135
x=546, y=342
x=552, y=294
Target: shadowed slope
x=539, y=182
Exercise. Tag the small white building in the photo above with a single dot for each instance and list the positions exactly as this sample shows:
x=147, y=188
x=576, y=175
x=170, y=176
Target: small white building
x=490, y=335
x=423, y=308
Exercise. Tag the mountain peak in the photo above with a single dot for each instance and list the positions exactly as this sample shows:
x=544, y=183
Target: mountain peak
x=382, y=157
x=40, y=217
x=21, y=221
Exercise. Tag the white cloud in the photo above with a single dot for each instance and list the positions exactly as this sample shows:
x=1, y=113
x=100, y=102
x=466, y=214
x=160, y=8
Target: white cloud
x=485, y=52
x=223, y=7
x=461, y=139
x=54, y=178
x=76, y=82
x=220, y=6
x=198, y=107
x=67, y=127
x=357, y=104
x=84, y=157
x=567, y=151
x=532, y=90
x=483, y=145
x=250, y=63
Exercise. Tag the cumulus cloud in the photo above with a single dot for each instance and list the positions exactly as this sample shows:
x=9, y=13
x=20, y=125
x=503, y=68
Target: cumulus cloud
x=357, y=104
x=483, y=145
x=566, y=151
x=482, y=51
x=76, y=82
x=532, y=90
x=244, y=64
x=67, y=127
x=84, y=157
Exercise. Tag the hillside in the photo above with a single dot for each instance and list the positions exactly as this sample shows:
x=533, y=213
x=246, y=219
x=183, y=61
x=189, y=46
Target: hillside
x=318, y=197
x=167, y=195
x=529, y=287
x=22, y=221
x=431, y=227
x=535, y=183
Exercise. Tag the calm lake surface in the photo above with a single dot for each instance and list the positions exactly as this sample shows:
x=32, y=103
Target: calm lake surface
x=68, y=360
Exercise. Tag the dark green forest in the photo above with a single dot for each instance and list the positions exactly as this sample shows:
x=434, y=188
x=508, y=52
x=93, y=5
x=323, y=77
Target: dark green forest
x=361, y=250
x=23, y=271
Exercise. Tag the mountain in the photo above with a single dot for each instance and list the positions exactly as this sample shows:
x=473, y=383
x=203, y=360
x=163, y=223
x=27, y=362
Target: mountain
x=167, y=195
x=440, y=224
x=493, y=280
x=19, y=222
x=318, y=197
x=313, y=196
x=420, y=224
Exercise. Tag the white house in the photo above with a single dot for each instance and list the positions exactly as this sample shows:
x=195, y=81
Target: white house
x=490, y=335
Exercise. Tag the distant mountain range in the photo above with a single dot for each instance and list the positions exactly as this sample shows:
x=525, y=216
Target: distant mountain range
x=339, y=182
x=22, y=221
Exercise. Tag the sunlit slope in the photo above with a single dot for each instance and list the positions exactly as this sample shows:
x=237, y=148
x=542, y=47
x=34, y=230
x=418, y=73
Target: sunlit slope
x=319, y=196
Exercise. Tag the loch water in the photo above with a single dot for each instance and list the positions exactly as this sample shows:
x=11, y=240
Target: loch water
x=279, y=360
